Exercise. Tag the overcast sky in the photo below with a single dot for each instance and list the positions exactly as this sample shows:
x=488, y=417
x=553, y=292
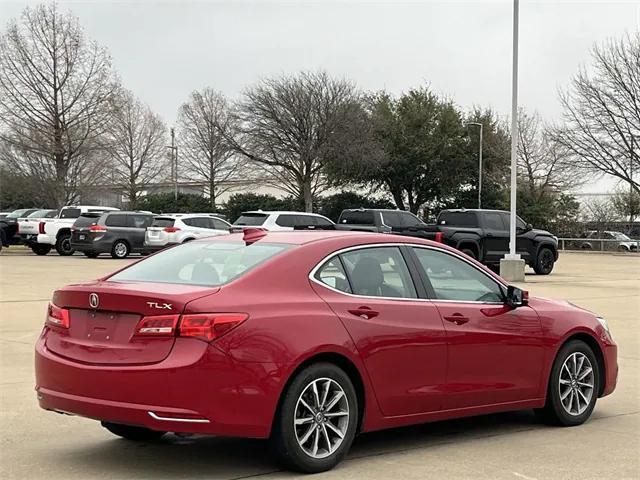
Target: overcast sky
x=164, y=50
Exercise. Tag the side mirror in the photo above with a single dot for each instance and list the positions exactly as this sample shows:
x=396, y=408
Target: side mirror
x=516, y=297
x=529, y=227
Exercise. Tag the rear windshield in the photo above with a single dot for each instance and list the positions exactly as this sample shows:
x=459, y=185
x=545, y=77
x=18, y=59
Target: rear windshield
x=70, y=213
x=162, y=222
x=251, y=219
x=356, y=217
x=86, y=219
x=458, y=219
x=209, y=264
x=18, y=213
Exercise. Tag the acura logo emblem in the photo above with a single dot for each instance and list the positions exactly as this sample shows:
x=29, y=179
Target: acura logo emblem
x=94, y=301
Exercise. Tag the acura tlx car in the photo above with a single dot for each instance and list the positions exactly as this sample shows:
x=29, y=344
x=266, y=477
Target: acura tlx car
x=308, y=338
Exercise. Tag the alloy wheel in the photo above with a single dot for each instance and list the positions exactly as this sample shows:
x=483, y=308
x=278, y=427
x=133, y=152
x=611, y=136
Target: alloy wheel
x=120, y=249
x=321, y=417
x=576, y=383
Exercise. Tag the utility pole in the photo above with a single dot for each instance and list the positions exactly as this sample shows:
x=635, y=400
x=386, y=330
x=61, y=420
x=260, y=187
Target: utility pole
x=479, y=165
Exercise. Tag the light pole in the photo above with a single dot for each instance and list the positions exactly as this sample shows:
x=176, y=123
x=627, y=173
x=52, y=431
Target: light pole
x=479, y=164
x=512, y=266
x=174, y=166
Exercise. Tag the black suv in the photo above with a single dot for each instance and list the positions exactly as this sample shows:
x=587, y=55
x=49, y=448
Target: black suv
x=484, y=235
x=118, y=233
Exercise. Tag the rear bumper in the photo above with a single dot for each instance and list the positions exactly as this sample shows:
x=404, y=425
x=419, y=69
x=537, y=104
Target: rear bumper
x=46, y=238
x=196, y=389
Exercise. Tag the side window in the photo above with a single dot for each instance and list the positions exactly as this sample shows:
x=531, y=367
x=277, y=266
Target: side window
x=117, y=220
x=286, y=220
x=379, y=272
x=218, y=224
x=507, y=221
x=493, y=221
x=333, y=275
x=392, y=219
x=323, y=222
x=454, y=279
x=191, y=222
x=140, y=221
x=409, y=220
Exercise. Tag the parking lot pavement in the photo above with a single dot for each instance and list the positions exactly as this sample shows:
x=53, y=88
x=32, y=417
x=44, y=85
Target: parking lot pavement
x=36, y=444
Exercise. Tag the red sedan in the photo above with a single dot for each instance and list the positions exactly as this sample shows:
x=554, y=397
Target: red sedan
x=311, y=337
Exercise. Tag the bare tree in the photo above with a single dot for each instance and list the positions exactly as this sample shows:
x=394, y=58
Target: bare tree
x=544, y=164
x=289, y=125
x=204, y=124
x=136, y=143
x=55, y=88
x=602, y=111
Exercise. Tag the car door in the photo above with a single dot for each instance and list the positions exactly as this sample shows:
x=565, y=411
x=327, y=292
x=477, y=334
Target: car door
x=495, y=352
x=496, y=236
x=399, y=336
x=136, y=228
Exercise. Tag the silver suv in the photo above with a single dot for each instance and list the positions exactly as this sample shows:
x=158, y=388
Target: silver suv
x=177, y=228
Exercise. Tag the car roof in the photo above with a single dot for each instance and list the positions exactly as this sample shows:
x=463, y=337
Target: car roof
x=189, y=215
x=301, y=237
x=278, y=212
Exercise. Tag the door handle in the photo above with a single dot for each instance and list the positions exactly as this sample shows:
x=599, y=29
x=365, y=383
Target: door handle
x=364, y=312
x=489, y=234
x=456, y=318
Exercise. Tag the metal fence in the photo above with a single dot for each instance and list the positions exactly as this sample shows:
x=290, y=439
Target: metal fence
x=599, y=244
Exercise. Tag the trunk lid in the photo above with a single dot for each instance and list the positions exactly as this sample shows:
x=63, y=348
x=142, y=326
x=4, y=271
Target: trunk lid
x=104, y=315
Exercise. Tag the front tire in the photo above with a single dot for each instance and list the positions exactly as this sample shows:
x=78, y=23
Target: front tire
x=137, y=434
x=573, y=387
x=317, y=419
x=41, y=249
x=544, y=262
x=120, y=249
x=63, y=245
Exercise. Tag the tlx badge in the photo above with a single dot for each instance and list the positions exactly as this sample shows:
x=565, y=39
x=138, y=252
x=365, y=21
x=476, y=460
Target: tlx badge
x=161, y=306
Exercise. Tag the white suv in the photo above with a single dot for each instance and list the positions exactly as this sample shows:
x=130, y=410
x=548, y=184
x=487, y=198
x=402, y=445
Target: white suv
x=176, y=228
x=279, y=221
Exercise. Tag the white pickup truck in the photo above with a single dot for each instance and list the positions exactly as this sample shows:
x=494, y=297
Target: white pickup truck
x=56, y=232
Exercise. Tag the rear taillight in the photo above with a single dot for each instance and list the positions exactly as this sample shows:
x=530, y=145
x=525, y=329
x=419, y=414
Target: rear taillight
x=97, y=228
x=157, y=325
x=209, y=326
x=171, y=229
x=57, y=317
x=41, y=227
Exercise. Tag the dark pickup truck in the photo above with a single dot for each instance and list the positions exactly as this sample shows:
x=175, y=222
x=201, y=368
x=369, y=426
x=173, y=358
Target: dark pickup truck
x=481, y=234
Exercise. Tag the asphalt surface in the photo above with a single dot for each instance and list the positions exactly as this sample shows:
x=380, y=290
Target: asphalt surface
x=35, y=444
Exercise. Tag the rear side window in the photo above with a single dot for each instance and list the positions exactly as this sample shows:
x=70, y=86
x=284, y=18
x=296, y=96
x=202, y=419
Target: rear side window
x=70, y=213
x=86, y=219
x=458, y=219
x=208, y=264
x=251, y=219
x=356, y=217
x=116, y=220
x=288, y=220
x=378, y=272
x=333, y=275
x=162, y=222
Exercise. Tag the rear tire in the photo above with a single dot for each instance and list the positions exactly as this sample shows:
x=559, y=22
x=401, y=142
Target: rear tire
x=326, y=425
x=544, y=262
x=564, y=381
x=41, y=249
x=137, y=434
x=63, y=245
x=120, y=249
